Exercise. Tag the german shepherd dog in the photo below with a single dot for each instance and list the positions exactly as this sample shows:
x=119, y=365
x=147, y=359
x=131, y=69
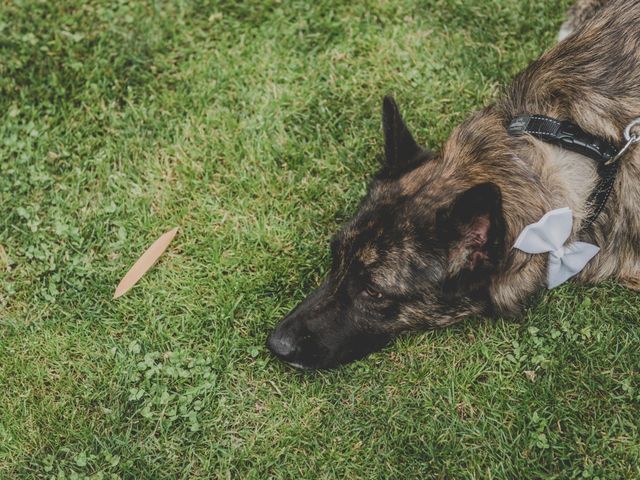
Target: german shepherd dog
x=431, y=243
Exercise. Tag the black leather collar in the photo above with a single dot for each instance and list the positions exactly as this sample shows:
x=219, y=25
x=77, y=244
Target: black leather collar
x=570, y=136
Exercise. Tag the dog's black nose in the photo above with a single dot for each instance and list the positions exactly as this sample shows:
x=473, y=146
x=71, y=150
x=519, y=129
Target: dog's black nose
x=281, y=345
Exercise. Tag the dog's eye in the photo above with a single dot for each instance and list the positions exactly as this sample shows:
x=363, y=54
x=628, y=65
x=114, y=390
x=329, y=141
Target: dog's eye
x=373, y=293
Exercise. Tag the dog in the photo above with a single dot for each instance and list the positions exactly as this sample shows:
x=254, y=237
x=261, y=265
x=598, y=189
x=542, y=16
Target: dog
x=432, y=242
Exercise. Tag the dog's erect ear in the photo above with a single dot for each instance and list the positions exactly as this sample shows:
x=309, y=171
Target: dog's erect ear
x=402, y=153
x=473, y=230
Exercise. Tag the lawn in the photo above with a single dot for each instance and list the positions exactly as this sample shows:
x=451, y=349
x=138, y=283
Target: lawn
x=254, y=126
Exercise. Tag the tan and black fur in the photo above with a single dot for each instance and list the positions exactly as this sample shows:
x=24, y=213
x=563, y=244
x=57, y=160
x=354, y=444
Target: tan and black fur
x=579, y=14
x=431, y=242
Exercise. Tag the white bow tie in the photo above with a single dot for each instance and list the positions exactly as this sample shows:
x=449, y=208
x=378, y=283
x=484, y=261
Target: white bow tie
x=549, y=236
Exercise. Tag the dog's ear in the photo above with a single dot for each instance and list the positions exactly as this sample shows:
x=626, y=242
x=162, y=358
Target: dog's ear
x=473, y=230
x=402, y=153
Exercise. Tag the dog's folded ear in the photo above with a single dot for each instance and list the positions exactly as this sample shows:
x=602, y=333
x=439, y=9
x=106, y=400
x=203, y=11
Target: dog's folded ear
x=473, y=230
x=402, y=153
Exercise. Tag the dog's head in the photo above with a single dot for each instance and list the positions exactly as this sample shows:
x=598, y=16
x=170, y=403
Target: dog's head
x=416, y=255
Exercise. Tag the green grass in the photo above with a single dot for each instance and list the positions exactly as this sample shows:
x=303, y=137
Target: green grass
x=254, y=127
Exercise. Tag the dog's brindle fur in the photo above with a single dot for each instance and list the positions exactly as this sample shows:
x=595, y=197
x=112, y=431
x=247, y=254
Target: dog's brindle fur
x=432, y=241
x=581, y=12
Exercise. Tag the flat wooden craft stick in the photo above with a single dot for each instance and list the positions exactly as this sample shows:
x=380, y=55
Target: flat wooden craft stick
x=144, y=263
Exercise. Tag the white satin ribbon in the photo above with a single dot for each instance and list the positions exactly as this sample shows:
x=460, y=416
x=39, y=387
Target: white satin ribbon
x=549, y=236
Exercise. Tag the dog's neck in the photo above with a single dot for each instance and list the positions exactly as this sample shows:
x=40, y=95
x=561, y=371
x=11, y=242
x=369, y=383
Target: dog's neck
x=569, y=178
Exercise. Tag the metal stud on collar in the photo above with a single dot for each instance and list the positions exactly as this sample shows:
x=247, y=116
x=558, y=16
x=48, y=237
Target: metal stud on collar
x=631, y=139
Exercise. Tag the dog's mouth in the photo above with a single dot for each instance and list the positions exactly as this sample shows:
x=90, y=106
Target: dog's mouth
x=301, y=353
x=308, y=354
x=298, y=366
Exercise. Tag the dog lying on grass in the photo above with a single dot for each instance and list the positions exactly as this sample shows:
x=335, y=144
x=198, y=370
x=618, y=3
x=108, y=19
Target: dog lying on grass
x=432, y=241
